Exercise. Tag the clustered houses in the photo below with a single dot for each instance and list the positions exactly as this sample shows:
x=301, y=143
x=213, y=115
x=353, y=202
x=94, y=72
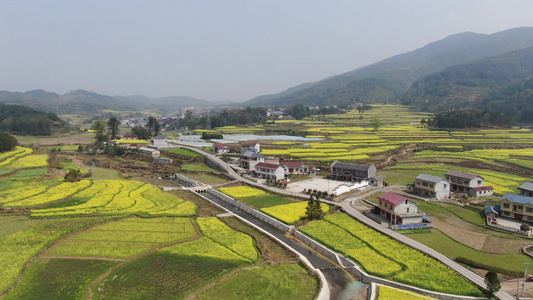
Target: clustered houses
x=519, y=207
x=455, y=181
x=471, y=184
x=270, y=169
x=399, y=209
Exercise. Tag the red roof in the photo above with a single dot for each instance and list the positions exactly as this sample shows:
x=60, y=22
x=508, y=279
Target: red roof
x=392, y=198
x=484, y=188
x=291, y=163
x=267, y=166
x=220, y=145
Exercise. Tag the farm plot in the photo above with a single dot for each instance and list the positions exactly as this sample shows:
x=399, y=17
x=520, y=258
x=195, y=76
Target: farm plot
x=289, y=281
x=239, y=192
x=417, y=269
x=19, y=246
x=290, y=213
x=53, y=194
x=389, y=293
x=420, y=270
x=58, y=279
x=122, y=197
x=125, y=238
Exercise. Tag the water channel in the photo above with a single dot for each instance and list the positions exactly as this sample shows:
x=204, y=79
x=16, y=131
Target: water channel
x=343, y=285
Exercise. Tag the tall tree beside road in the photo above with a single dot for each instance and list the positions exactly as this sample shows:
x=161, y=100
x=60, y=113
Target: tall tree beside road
x=112, y=127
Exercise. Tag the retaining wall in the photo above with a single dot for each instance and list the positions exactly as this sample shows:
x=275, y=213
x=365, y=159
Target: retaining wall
x=192, y=182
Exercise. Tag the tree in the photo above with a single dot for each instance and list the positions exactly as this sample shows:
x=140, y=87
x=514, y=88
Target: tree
x=141, y=132
x=73, y=175
x=112, y=127
x=7, y=142
x=376, y=123
x=154, y=128
x=492, y=281
x=299, y=111
x=525, y=227
x=361, y=110
x=313, y=209
x=80, y=148
x=99, y=128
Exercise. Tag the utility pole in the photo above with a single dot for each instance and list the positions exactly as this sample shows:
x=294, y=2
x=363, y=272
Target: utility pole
x=525, y=276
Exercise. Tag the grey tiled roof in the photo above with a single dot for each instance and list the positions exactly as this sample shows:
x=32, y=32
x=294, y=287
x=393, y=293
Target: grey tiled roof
x=527, y=186
x=429, y=178
x=349, y=166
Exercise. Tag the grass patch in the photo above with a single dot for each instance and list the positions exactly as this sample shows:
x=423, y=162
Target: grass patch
x=99, y=173
x=259, y=202
x=414, y=231
x=162, y=276
x=270, y=282
x=58, y=278
x=29, y=173
x=182, y=151
x=197, y=167
x=207, y=178
x=513, y=263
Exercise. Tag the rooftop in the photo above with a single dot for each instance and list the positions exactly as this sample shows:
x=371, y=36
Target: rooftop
x=291, y=163
x=160, y=137
x=429, y=178
x=518, y=199
x=484, y=188
x=349, y=166
x=392, y=198
x=526, y=186
x=249, y=143
x=267, y=166
x=462, y=174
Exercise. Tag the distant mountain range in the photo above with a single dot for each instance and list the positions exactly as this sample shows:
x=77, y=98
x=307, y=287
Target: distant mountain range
x=389, y=79
x=81, y=101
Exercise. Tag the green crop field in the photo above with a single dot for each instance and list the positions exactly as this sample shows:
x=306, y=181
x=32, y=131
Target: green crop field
x=274, y=282
x=416, y=268
x=182, y=151
x=48, y=278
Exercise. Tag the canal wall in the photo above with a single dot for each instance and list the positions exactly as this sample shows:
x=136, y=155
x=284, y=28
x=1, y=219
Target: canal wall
x=344, y=262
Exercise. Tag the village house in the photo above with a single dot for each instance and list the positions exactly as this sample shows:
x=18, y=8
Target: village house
x=430, y=186
x=160, y=141
x=295, y=167
x=269, y=171
x=151, y=151
x=399, y=209
x=249, y=158
x=129, y=137
x=526, y=189
x=352, y=172
x=251, y=144
x=221, y=148
x=472, y=184
x=518, y=207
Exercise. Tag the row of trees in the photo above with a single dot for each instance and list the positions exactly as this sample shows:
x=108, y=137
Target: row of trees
x=111, y=127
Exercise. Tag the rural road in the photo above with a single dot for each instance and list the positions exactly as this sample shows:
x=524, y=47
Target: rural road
x=345, y=205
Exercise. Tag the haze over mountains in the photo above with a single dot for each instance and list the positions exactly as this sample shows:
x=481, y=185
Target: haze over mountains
x=459, y=71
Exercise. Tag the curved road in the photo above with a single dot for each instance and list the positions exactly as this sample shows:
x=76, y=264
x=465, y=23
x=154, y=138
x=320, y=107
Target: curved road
x=473, y=277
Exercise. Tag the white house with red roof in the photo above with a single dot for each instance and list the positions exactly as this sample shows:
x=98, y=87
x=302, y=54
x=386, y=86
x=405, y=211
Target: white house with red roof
x=399, y=209
x=269, y=171
x=221, y=148
x=472, y=184
x=251, y=144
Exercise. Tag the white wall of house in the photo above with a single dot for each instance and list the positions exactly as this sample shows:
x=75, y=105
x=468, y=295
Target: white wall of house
x=405, y=208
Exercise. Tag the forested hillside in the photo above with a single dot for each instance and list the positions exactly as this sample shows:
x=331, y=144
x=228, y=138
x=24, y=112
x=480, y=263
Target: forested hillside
x=497, y=84
x=24, y=120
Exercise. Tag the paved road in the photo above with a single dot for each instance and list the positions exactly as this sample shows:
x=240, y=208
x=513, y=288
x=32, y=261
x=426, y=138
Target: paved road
x=475, y=278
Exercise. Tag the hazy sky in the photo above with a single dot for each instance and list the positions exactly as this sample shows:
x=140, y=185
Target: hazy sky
x=222, y=50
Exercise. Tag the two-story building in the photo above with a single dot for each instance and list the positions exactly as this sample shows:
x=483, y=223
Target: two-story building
x=295, y=167
x=472, y=184
x=399, y=209
x=249, y=158
x=269, y=171
x=430, y=186
x=352, y=172
x=526, y=189
x=518, y=207
x=221, y=148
